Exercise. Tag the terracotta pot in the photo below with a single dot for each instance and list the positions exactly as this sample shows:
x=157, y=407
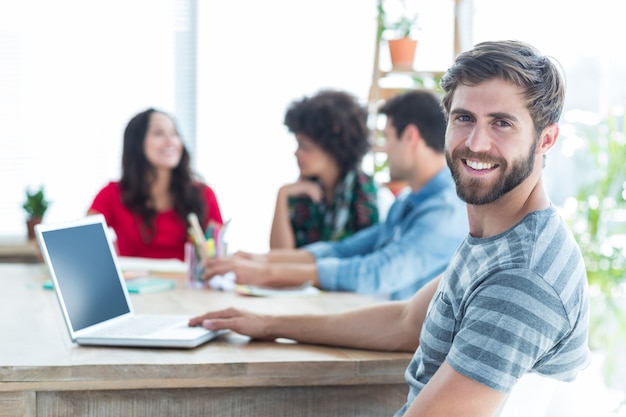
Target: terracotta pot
x=30, y=227
x=402, y=53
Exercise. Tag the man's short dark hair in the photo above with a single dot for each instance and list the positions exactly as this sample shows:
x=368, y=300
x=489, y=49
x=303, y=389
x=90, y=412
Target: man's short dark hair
x=420, y=108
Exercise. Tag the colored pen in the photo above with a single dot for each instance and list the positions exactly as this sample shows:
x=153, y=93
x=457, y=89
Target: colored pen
x=198, y=236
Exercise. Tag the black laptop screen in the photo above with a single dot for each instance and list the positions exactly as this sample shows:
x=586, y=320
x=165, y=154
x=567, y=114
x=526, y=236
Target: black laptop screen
x=86, y=274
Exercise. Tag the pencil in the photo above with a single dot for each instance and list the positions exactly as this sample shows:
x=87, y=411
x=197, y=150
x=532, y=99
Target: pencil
x=198, y=236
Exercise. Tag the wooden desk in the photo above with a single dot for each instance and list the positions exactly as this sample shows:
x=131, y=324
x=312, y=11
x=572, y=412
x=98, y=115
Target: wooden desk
x=43, y=374
x=17, y=249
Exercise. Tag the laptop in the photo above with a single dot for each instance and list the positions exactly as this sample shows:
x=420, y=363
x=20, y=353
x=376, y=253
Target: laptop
x=93, y=296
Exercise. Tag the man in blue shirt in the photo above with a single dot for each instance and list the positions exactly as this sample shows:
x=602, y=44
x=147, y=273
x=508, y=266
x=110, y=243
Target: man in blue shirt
x=394, y=259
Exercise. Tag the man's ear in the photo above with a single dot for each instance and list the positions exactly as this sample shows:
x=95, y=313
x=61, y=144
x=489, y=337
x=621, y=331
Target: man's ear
x=548, y=138
x=412, y=133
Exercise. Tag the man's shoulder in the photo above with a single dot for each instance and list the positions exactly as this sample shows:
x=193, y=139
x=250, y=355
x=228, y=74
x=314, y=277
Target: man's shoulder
x=538, y=243
x=547, y=232
x=440, y=197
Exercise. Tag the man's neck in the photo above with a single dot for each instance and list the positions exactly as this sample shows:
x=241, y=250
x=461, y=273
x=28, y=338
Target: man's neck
x=495, y=218
x=424, y=172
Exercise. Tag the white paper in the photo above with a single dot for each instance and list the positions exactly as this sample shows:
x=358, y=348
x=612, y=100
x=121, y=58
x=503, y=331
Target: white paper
x=132, y=264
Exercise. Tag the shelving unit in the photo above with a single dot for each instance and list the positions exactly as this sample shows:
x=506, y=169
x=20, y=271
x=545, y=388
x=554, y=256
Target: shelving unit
x=387, y=83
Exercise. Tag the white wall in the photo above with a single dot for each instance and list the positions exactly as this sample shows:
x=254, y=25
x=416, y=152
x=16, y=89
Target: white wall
x=71, y=76
x=279, y=51
x=73, y=72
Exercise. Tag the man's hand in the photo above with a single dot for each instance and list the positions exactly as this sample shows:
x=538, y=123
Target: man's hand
x=254, y=325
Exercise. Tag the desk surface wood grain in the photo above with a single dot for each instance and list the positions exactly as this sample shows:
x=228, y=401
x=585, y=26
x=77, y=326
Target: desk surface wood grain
x=40, y=368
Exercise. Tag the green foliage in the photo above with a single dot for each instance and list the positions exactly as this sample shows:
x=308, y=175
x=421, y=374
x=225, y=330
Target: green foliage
x=598, y=221
x=380, y=19
x=432, y=83
x=599, y=218
x=404, y=24
x=35, y=204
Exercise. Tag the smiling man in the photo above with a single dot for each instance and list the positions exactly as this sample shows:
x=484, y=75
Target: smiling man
x=514, y=297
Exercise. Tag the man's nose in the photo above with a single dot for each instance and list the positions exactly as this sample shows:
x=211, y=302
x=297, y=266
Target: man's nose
x=478, y=140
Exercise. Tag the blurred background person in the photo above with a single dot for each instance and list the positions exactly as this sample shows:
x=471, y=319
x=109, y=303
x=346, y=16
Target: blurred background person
x=333, y=198
x=392, y=259
x=148, y=207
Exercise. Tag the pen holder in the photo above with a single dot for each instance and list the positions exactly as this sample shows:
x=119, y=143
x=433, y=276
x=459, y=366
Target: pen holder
x=194, y=267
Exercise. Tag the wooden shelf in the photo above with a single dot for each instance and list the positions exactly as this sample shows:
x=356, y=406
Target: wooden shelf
x=387, y=83
x=435, y=73
x=14, y=249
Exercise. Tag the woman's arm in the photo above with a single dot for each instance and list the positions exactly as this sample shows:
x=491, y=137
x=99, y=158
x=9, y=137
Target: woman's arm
x=281, y=235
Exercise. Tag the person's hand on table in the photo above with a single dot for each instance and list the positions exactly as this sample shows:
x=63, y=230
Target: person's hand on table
x=243, y=322
x=247, y=271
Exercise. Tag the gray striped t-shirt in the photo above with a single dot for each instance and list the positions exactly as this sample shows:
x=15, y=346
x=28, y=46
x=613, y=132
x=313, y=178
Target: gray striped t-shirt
x=507, y=305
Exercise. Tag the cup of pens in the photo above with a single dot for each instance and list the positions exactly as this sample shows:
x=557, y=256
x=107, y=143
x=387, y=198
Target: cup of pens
x=194, y=266
x=204, y=245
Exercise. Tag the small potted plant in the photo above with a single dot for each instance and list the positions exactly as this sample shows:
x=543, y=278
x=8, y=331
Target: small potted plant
x=404, y=27
x=400, y=34
x=35, y=207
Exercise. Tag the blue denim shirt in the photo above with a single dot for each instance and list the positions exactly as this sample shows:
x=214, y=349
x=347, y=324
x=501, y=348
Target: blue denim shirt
x=396, y=258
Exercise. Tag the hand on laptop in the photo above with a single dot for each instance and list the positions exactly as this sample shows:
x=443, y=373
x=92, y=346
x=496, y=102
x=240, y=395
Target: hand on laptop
x=243, y=322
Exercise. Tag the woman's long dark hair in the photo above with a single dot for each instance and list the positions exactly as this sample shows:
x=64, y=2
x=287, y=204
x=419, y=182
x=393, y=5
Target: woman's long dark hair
x=138, y=175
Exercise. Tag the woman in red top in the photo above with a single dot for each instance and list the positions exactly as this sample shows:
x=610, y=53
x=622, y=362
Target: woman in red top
x=148, y=207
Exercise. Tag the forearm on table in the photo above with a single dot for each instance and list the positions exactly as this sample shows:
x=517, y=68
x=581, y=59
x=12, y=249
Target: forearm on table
x=380, y=327
x=290, y=256
x=292, y=274
x=392, y=326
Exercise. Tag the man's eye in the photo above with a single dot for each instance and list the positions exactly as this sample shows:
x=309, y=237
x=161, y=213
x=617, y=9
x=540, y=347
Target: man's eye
x=503, y=123
x=463, y=118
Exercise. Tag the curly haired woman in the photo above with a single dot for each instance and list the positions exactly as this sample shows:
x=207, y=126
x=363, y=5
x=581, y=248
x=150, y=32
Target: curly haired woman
x=333, y=198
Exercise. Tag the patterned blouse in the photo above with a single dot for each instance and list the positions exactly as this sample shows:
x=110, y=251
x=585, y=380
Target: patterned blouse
x=354, y=207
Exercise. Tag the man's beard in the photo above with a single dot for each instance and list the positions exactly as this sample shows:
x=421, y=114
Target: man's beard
x=473, y=191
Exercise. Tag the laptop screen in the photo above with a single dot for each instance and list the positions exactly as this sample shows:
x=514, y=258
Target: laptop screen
x=86, y=274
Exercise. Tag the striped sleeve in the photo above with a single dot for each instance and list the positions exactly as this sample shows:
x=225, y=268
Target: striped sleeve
x=510, y=323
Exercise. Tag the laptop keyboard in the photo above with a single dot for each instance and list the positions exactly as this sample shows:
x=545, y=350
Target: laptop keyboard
x=139, y=326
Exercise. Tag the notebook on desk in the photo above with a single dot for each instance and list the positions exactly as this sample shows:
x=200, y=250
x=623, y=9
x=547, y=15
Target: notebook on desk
x=93, y=295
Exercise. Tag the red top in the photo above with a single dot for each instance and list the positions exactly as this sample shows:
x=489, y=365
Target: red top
x=171, y=231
